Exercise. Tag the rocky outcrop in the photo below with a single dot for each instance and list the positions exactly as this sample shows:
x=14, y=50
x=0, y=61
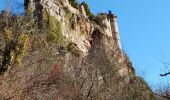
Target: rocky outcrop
x=84, y=62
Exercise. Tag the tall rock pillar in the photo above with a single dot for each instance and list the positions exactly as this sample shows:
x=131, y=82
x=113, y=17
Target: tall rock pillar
x=115, y=31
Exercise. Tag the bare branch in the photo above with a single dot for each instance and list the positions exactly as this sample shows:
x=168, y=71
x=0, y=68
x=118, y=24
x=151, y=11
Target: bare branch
x=165, y=74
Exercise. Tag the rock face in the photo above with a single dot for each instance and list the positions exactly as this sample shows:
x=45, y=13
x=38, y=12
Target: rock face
x=88, y=65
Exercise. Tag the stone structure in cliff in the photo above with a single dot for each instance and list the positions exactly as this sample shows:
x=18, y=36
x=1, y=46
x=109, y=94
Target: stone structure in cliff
x=114, y=26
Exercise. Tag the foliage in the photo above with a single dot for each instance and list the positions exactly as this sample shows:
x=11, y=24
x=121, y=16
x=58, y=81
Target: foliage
x=54, y=31
x=68, y=12
x=16, y=34
x=71, y=17
x=74, y=3
x=22, y=46
x=72, y=47
x=87, y=9
x=14, y=51
x=92, y=78
x=98, y=19
x=7, y=33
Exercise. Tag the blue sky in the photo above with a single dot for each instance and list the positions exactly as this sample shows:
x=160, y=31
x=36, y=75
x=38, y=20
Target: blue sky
x=12, y=5
x=144, y=27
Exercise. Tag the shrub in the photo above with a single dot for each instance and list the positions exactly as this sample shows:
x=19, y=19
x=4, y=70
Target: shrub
x=23, y=44
x=54, y=31
x=68, y=12
x=71, y=17
x=14, y=51
x=74, y=3
x=72, y=47
x=7, y=33
x=16, y=33
x=87, y=9
x=98, y=19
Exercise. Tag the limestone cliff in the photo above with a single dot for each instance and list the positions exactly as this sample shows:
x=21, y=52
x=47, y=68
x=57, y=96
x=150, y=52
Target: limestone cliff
x=56, y=53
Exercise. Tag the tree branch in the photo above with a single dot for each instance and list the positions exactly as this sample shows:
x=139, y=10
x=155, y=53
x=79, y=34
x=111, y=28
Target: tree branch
x=163, y=96
x=165, y=74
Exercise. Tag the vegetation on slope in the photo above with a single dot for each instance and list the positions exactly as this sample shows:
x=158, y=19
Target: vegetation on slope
x=74, y=3
x=52, y=73
x=87, y=9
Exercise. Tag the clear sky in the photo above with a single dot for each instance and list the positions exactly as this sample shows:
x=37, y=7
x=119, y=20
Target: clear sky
x=12, y=5
x=144, y=27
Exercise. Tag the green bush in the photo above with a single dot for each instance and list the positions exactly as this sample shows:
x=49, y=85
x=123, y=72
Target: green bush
x=87, y=9
x=15, y=49
x=71, y=17
x=74, y=3
x=69, y=14
x=16, y=35
x=55, y=33
x=72, y=47
x=54, y=29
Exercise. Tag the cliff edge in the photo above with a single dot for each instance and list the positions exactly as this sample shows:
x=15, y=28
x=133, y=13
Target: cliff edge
x=57, y=51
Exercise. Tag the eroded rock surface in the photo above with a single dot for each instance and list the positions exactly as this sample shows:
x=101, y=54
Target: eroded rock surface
x=86, y=64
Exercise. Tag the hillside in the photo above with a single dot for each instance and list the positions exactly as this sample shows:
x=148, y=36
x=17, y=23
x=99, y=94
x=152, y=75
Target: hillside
x=59, y=51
